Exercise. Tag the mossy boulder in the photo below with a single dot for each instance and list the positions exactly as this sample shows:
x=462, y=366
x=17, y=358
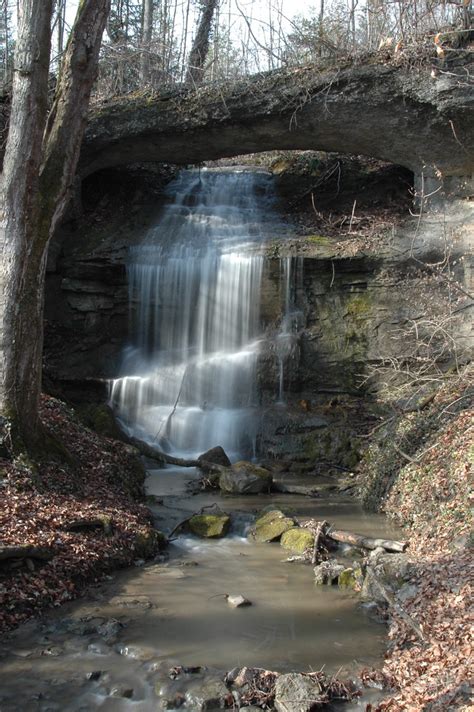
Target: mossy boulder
x=245, y=478
x=270, y=526
x=351, y=578
x=148, y=542
x=297, y=539
x=209, y=526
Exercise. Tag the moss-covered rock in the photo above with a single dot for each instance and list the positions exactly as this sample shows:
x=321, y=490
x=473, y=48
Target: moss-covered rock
x=148, y=542
x=351, y=578
x=209, y=526
x=271, y=526
x=297, y=539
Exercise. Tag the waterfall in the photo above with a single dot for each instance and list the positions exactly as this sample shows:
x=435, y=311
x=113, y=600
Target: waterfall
x=189, y=372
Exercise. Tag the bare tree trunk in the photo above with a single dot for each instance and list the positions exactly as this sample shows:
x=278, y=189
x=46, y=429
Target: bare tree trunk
x=40, y=162
x=60, y=14
x=200, y=48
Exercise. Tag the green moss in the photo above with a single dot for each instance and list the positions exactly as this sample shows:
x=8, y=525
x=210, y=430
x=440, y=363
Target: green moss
x=297, y=539
x=319, y=240
x=351, y=578
x=209, y=526
x=148, y=542
x=358, y=306
x=271, y=526
x=99, y=418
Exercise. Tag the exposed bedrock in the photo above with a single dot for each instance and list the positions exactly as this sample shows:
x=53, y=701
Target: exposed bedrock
x=406, y=112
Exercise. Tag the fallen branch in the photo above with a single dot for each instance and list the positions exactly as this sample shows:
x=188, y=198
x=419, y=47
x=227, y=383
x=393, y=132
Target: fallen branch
x=25, y=551
x=165, y=459
x=86, y=524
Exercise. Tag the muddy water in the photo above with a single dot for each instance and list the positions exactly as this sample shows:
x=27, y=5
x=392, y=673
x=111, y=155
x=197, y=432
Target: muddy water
x=131, y=630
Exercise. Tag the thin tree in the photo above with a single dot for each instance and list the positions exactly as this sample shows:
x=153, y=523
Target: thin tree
x=200, y=48
x=147, y=30
x=39, y=166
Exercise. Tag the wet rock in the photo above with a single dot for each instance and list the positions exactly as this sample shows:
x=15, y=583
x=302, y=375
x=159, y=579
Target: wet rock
x=327, y=573
x=305, y=490
x=121, y=691
x=245, y=478
x=93, y=676
x=238, y=601
x=210, y=695
x=209, y=526
x=135, y=652
x=270, y=526
x=132, y=602
x=297, y=539
x=110, y=630
x=216, y=456
x=392, y=570
x=52, y=651
x=149, y=542
x=351, y=577
x=297, y=693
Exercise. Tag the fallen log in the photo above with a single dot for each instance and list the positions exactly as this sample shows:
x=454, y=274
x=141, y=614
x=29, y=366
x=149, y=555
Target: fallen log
x=366, y=542
x=165, y=459
x=25, y=551
x=75, y=525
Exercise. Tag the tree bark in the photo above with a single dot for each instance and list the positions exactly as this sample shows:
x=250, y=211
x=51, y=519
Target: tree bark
x=200, y=48
x=366, y=542
x=147, y=30
x=39, y=167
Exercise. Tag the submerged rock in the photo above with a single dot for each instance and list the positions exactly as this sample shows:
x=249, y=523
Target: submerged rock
x=297, y=693
x=209, y=526
x=327, y=573
x=210, y=695
x=270, y=526
x=216, y=456
x=297, y=539
x=245, y=478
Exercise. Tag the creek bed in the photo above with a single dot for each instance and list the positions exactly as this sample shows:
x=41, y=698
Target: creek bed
x=133, y=628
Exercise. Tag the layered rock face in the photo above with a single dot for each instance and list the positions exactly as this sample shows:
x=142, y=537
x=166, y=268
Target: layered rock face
x=331, y=309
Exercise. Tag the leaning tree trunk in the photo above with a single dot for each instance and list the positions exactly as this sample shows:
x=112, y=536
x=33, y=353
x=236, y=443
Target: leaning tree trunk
x=39, y=166
x=200, y=48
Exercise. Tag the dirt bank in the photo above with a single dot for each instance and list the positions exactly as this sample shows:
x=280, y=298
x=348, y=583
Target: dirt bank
x=103, y=481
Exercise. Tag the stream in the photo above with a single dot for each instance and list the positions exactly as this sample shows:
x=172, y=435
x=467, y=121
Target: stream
x=187, y=383
x=114, y=650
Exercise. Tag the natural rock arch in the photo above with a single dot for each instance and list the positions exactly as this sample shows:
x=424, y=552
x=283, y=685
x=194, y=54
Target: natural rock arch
x=394, y=112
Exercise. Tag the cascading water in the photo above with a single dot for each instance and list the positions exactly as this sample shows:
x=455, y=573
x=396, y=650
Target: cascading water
x=194, y=299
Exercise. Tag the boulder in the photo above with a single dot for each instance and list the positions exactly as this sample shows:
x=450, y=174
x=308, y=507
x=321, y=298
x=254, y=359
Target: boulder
x=270, y=526
x=298, y=693
x=216, y=456
x=245, y=478
x=351, y=577
x=392, y=570
x=209, y=526
x=328, y=573
x=297, y=539
x=210, y=695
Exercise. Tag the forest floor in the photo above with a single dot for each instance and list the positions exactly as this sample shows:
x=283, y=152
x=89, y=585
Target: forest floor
x=429, y=493
x=104, y=480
